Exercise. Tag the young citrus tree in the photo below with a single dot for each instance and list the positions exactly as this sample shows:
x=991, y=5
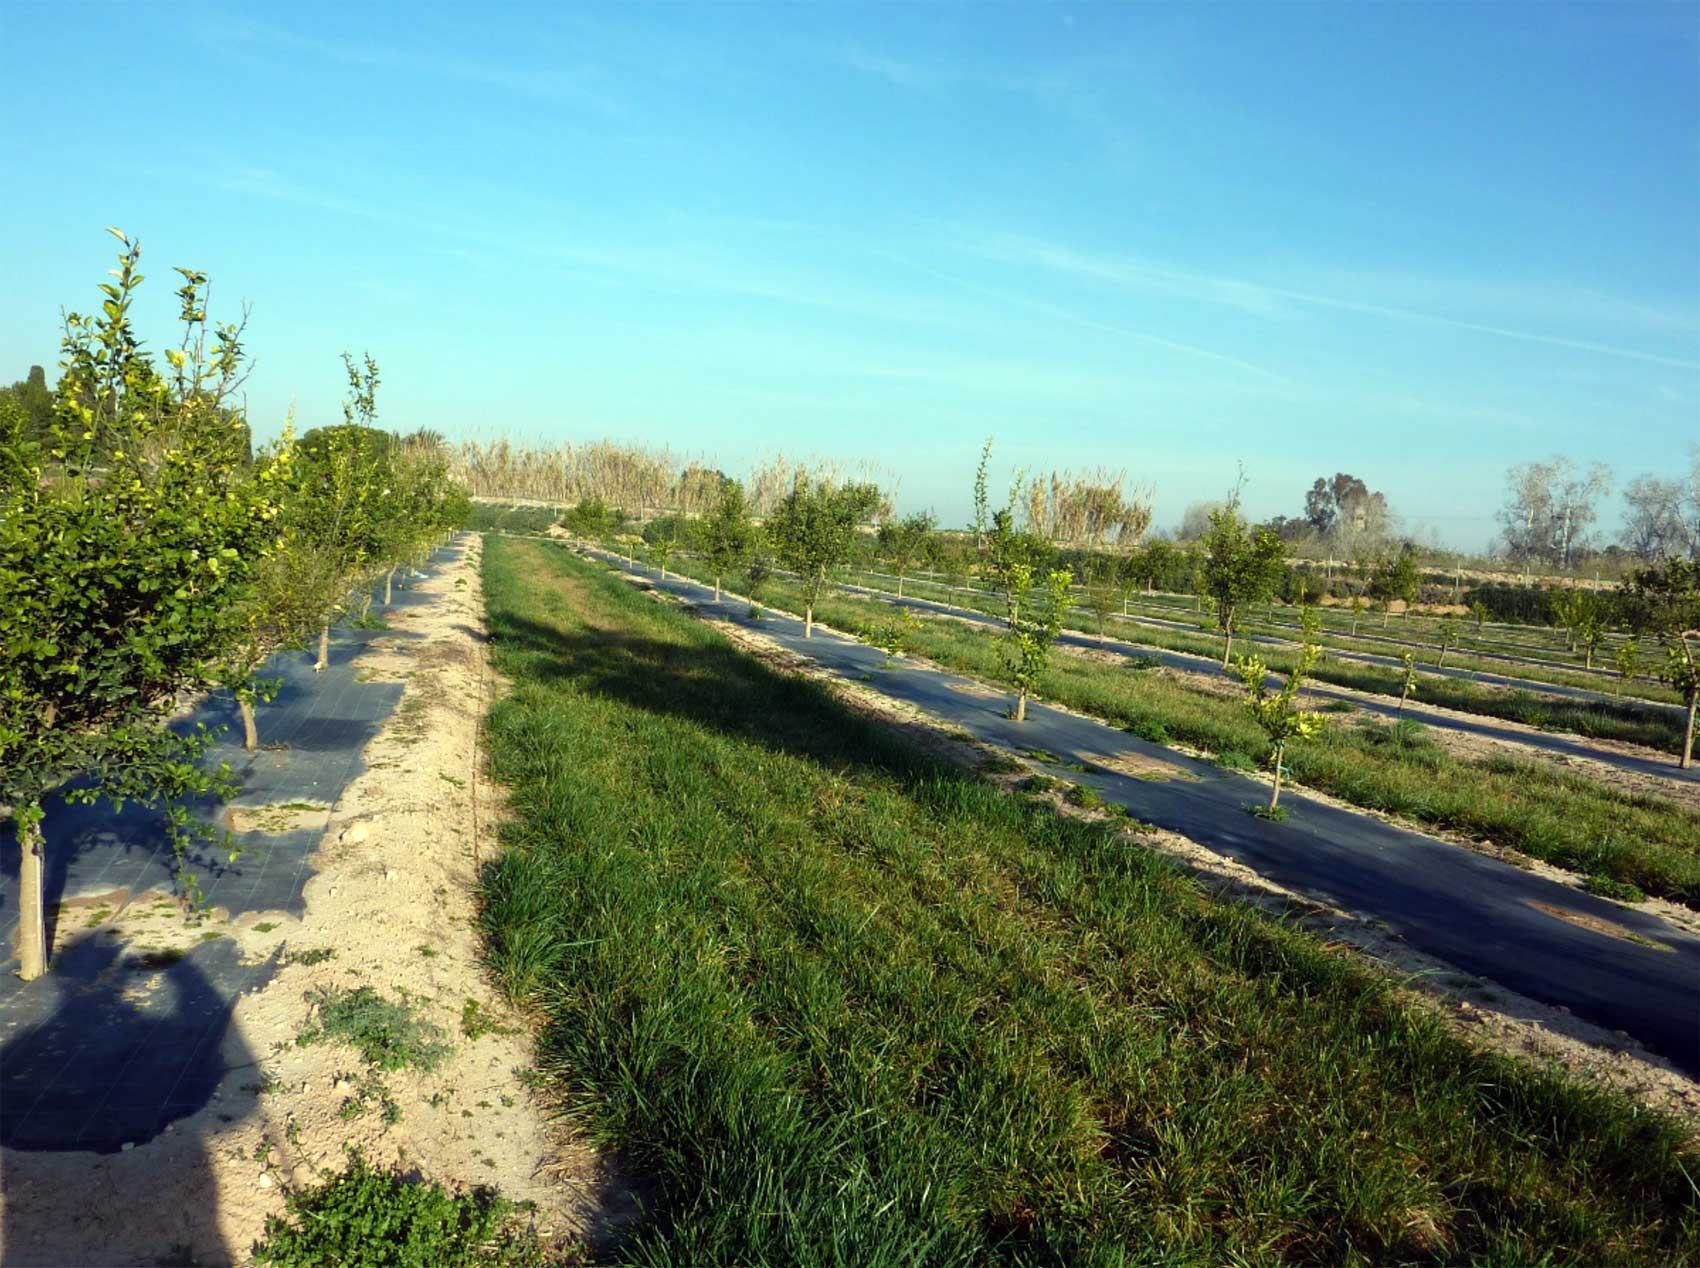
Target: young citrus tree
x=1012, y=560
x=337, y=511
x=813, y=530
x=1034, y=624
x=1628, y=660
x=1103, y=589
x=1278, y=712
x=903, y=542
x=1479, y=611
x=727, y=533
x=126, y=546
x=1448, y=635
x=1407, y=680
x=1242, y=567
x=1664, y=600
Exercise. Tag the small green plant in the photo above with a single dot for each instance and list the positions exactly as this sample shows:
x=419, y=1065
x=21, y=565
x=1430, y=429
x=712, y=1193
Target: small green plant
x=1608, y=887
x=475, y=1023
x=1038, y=784
x=1273, y=813
x=897, y=636
x=310, y=956
x=1278, y=712
x=1628, y=660
x=366, y=1217
x=1082, y=796
x=1233, y=759
x=1143, y=662
x=1448, y=634
x=265, y=926
x=388, y=1034
x=429, y=953
x=1000, y=764
x=1408, y=680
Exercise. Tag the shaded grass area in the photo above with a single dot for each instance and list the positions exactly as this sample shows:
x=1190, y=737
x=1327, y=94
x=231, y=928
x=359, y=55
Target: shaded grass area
x=1645, y=842
x=847, y=1005
x=1620, y=720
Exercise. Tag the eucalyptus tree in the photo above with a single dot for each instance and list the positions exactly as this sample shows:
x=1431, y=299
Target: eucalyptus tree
x=1242, y=567
x=903, y=542
x=1664, y=601
x=127, y=543
x=1035, y=594
x=727, y=532
x=813, y=530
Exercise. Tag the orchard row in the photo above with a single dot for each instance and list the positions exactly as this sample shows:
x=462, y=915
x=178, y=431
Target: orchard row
x=146, y=554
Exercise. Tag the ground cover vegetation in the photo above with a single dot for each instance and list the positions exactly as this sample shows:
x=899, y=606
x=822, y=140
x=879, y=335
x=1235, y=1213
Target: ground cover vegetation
x=842, y=1003
x=146, y=552
x=1646, y=842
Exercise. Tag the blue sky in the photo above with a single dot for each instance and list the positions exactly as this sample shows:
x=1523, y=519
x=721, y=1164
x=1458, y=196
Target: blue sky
x=1416, y=243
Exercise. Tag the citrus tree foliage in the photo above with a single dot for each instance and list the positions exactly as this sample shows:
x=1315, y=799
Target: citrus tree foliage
x=1448, y=633
x=1104, y=589
x=727, y=532
x=1242, y=567
x=1035, y=621
x=1395, y=577
x=904, y=542
x=337, y=512
x=1628, y=661
x=1664, y=601
x=1278, y=712
x=1407, y=679
x=813, y=530
x=127, y=543
x=1013, y=560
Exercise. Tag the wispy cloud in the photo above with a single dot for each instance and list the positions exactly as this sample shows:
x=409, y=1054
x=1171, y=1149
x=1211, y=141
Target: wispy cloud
x=1253, y=296
x=581, y=85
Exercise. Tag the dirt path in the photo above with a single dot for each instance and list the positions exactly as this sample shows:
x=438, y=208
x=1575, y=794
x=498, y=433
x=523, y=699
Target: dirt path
x=393, y=904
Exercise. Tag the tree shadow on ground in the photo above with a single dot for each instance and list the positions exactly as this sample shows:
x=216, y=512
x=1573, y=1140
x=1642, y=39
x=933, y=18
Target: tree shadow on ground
x=716, y=685
x=104, y=1061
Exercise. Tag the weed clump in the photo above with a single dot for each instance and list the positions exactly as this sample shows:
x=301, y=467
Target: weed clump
x=388, y=1034
x=367, y=1217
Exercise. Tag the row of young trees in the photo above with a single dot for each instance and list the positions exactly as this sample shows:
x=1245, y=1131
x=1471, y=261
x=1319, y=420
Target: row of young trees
x=145, y=554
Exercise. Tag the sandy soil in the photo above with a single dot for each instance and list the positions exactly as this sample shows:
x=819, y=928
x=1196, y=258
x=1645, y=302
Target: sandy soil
x=1482, y=1011
x=393, y=900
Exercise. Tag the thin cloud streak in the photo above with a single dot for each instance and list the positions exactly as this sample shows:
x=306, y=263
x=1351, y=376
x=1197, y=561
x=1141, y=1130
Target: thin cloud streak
x=1256, y=297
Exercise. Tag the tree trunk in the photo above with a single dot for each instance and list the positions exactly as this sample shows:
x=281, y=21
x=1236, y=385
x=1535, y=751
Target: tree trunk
x=1275, y=797
x=808, y=620
x=1441, y=663
x=1688, y=732
x=389, y=578
x=324, y=661
x=900, y=585
x=1590, y=661
x=32, y=901
x=1403, y=693
x=250, y=734
x=1021, y=705
x=717, y=588
x=1227, y=645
